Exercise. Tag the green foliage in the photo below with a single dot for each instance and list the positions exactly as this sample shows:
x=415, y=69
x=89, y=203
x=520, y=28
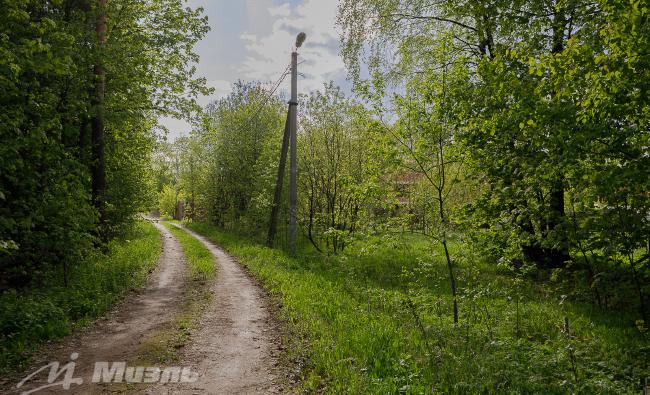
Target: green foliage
x=29, y=318
x=341, y=163
x=548, y=102
x=43, y=194
x=374, y=319
x=230, y=162
x=168, y=201
x=47, y=54
x=227, y=168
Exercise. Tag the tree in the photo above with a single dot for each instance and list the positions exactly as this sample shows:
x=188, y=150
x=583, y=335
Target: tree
x=339, y=171
x=43, y=194
x=483, y=37
x=431, y=115
x=240, y=141
x=98, y=163
x=553, y=117
x=608, y=81
x=85, y=83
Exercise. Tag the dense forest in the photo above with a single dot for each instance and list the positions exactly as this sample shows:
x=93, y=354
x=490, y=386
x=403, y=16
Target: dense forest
x=474, y=216
x=80, y=98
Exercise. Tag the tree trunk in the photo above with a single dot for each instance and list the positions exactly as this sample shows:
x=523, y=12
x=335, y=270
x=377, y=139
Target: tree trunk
x=559, y=255
x=444, y=221
x=97, y=122
x=554, y=220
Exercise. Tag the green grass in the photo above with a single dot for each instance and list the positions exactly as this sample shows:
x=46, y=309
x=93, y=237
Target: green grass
x=199, y=258
x=27, y=319
x=378, y=319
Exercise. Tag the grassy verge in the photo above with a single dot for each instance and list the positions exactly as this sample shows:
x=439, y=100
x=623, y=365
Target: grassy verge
x=378, y=319
x=163, y=347
x=200, y=260
x=28, y=319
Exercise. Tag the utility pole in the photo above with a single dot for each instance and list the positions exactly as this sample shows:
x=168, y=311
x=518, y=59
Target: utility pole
x=290, y=138
x=293, y=162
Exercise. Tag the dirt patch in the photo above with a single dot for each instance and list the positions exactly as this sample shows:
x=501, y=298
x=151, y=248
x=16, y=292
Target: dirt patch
x=235, y=347
x=119, y=335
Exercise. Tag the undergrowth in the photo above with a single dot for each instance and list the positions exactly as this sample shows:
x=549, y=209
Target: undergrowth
x=29, y=318
x=378, y=319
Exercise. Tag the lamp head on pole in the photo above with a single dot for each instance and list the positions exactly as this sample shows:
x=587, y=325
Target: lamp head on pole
x=300, y=39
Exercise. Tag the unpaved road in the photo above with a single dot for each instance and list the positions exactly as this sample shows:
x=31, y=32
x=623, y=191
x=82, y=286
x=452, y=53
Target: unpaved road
x=233, y=349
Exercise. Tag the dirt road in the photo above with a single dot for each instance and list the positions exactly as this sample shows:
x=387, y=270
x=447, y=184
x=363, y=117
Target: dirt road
x=235, y=349
x=232, y=350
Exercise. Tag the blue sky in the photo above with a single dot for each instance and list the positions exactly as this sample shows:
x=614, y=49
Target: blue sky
x=252, y=40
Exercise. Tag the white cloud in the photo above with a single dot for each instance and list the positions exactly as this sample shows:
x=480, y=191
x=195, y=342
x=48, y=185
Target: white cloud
x=253, y=39
x=283, y=10
x=269, y=54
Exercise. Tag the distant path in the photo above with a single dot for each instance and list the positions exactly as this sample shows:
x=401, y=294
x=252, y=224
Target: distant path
x=235, y=347
x=119, y=335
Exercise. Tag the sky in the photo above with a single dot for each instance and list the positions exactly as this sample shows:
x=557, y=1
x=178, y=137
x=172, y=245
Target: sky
x=253, y=39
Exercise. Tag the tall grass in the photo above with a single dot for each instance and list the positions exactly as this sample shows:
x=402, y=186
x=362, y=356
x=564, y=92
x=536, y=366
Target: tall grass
x=29, y=318
x=379, y=319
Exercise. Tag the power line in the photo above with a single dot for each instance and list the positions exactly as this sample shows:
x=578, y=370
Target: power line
x=276, y=85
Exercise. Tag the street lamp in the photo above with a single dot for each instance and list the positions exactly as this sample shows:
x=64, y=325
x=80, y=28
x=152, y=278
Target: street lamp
x=300, y=39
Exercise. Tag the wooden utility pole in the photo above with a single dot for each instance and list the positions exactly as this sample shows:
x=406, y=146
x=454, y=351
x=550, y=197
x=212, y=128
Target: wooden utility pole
x=278, y=184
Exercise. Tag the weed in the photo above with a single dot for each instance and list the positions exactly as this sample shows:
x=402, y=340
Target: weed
x=377, y=319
